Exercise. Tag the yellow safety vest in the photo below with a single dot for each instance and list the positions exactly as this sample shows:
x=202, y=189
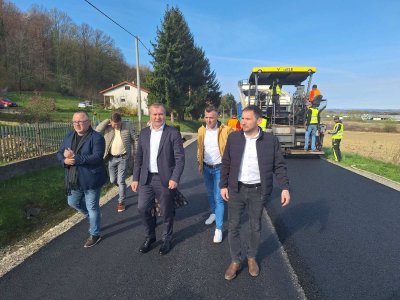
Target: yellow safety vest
x=338, y=135
x=314, y=115
x=263, y=124
x=277, y=89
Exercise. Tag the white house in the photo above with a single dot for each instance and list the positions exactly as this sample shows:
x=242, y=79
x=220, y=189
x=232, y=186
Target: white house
x=125, y=94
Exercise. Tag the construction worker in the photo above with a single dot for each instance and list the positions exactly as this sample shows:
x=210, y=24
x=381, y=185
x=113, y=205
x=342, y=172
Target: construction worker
x=276, y=93
x=234, y=123
x=263, y=124
x=313, y=93
x=312, y=123
x=337, y=134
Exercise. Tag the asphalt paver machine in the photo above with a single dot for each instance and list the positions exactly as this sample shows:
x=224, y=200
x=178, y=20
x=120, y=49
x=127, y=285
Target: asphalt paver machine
x=288, y=123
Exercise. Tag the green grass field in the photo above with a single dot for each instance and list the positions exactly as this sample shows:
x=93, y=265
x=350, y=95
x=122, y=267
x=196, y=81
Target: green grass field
x=387, y=170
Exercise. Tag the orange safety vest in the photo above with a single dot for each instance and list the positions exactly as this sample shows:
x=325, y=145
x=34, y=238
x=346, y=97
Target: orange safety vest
x=234, y=124
x=313, y=94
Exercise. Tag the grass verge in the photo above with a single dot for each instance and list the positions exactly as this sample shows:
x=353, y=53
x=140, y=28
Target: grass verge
x=387, y=170
x=33, y=203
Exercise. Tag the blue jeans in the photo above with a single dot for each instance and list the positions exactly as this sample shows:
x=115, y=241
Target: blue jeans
x=87, y=202
x=211, y=180
x=117, y=172
x=311, y=129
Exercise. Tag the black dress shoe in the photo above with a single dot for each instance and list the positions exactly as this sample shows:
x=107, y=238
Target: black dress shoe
x=165, y=247
x=146, y=245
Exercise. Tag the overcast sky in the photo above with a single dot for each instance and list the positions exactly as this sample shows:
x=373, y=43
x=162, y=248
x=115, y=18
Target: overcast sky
x=355, y=45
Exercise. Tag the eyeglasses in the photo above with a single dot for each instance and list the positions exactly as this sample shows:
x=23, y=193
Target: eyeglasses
x=79, y=122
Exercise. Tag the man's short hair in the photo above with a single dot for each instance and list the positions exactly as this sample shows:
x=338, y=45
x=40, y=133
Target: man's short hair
x=82, y=112
x=336, y=118
x=158, y=105
x=314, y=86
x=116, y=117
x=255, y=109
x=211, y=108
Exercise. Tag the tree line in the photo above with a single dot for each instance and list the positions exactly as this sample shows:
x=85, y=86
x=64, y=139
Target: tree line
x=44, y=50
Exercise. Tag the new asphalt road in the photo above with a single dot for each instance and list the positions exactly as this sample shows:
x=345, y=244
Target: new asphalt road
x=340, y=234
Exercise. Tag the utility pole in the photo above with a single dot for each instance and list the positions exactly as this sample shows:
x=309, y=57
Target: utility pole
x=139, y=98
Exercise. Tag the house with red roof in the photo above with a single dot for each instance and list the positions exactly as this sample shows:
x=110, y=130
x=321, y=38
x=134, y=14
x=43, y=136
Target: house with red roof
x=125, y=94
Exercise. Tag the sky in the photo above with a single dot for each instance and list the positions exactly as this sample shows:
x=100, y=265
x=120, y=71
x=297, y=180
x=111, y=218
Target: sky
x=354, y=44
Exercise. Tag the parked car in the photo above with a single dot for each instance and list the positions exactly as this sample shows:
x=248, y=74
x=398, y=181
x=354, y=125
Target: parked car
x=9, y=102
x=85, y=104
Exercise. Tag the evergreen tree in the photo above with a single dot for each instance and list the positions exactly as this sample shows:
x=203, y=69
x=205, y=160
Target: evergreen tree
x=182, y=78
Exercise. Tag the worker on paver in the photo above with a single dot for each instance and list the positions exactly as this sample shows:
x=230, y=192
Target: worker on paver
x=312, y=123
x=314, y=93
x=337, y=134
x=276, y=93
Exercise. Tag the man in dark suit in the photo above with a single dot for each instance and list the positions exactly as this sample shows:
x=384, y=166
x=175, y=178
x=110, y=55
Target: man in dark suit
x=159, y=164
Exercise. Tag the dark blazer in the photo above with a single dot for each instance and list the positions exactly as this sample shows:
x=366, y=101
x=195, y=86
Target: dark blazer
x=170, y=159
x=270, y=161
x=88, y=160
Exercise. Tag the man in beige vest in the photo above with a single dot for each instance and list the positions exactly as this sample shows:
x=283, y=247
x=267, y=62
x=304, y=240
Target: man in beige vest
x=120, y=139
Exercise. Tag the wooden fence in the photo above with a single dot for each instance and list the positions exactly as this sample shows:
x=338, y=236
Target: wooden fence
x=27, y=141
x=33, y=140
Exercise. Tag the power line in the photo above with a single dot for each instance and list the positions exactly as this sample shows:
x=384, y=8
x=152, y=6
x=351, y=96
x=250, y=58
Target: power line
x=116, y=23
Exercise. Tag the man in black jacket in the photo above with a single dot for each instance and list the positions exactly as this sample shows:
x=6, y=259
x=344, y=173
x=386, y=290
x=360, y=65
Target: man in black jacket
x=250, y=159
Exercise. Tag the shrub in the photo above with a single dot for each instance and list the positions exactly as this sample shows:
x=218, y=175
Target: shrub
x=127, y=111
x=389, y=126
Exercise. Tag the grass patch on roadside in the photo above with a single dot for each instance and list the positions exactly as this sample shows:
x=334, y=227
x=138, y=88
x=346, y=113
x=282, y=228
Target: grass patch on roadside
x=387, y=170
x=21, y=195
x=42, y=190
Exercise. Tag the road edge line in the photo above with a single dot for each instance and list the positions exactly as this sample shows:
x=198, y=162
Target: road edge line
x=295, y=279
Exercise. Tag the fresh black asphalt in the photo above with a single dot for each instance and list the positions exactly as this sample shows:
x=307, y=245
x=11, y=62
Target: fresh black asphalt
x=340, y=233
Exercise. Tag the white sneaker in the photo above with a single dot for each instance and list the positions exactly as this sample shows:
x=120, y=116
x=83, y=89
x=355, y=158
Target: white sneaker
x=211, y=219
x=218, y=236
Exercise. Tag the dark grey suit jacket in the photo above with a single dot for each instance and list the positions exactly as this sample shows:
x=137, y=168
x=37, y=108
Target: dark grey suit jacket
x=170, y=159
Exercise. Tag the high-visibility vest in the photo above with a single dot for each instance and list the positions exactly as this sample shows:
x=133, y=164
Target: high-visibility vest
x=277, y=89
x=314, y=115
x=338, y=135
x=263, y=124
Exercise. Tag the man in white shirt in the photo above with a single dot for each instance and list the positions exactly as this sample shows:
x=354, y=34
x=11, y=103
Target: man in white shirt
x=159, y=164
x=211, y=143
x=250, y=160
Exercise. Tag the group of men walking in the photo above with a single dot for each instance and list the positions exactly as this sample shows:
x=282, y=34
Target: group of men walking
x=237, y=167
x=237, y=163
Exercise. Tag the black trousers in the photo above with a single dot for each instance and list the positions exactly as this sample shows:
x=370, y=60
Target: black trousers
x=250, y=200
x=147, y=193
x=336, y=149
x=275, y=100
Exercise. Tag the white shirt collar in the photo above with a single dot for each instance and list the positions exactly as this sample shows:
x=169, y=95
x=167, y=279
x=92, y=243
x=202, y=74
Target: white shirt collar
x=254, y=137
x=215, y=127
x=159, y=129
